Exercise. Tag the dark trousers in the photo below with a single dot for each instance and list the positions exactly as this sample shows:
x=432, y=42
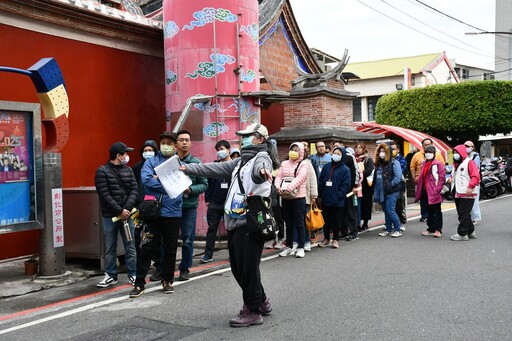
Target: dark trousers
x=165, y=231
x=348, y=222
x=214, y=214
x=294, y=211
x=245, y=256
x=464, y=207
x=332, y=217
x=424, y=206
x=278, y=216
x=435, y=218
x=400, y=208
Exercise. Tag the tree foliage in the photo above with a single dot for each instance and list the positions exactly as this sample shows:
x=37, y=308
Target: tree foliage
x=455, y=112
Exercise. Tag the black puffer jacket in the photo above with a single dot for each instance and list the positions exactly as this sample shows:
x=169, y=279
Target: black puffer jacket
x=113, y=199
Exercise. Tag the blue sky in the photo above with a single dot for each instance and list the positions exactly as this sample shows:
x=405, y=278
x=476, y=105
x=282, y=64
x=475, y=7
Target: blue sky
x=333, y=25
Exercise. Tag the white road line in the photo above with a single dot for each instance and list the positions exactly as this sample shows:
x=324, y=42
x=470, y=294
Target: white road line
x=114, y=300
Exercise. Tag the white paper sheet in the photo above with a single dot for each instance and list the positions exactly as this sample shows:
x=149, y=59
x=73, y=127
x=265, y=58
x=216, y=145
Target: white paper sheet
x=173, y=180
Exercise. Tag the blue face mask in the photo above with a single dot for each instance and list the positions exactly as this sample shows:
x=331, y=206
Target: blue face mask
x=222, y=154
x=247, y=141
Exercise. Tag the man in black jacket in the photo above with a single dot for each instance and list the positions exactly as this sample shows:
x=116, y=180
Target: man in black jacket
x=117, y=189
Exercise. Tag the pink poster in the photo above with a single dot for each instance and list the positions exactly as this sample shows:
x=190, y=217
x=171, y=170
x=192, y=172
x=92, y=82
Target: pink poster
x=14, y=151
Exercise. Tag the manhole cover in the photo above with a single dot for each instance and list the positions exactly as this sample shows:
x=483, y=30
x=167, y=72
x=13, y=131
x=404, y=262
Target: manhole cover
x=140, y=328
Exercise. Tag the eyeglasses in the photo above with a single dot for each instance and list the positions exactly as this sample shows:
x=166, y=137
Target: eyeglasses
x=183, y=140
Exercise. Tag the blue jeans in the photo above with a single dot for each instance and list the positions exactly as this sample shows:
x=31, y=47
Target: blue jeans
x=389, y=208
x=110, y=231
x=188, y=235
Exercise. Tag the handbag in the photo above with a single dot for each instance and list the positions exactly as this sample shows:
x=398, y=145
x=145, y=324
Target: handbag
x=261, y=223
x=150, y=209
x=314, y=218
x=287, y=180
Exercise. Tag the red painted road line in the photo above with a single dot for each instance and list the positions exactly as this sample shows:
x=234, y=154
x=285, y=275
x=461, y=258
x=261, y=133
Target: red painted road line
x=74, y=299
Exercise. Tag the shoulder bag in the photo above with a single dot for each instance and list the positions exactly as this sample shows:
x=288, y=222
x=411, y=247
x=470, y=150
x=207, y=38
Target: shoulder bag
x=287, y=180
x=150, y=209
x=260, y=218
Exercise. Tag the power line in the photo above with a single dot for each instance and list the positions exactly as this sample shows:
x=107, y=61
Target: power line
x=449, y=16
x=432, y=27
x=423, y=33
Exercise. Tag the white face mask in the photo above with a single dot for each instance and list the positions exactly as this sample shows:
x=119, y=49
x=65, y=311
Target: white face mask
x=382, y=155
x=456, y=157
x=125, y=160
x=336, y=157
x=429, y=156
x=222, y=154
x=469, y=150
x=147, y=155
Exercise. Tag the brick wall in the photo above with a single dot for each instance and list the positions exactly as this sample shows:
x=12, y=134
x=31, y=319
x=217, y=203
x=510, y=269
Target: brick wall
x=320, y=110
x=276, y=62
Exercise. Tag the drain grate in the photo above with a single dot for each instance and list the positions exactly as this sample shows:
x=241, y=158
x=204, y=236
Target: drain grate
x=140, y=328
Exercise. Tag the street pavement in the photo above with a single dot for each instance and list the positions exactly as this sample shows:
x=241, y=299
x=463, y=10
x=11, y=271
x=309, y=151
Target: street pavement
x=374, y=288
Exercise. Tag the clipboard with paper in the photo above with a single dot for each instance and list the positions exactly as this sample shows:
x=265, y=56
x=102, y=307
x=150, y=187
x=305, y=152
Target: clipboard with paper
x=173, y=180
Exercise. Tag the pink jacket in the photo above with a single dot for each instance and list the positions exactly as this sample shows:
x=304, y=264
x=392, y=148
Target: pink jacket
x=434, y=182
x=288, y=169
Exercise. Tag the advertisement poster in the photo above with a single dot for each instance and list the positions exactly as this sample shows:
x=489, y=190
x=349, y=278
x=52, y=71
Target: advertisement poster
x=15, y=166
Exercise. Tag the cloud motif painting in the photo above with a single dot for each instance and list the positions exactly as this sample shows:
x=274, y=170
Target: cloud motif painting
x=209, y=108
x=251, y=30
x=212, y=128
x=170, y=77
x=208, y=15
x=208, y=69
x=247, y=76
x=170, y=29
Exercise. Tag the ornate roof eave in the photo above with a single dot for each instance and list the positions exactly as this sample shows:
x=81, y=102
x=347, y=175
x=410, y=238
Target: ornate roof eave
x=323, y=77
x=95, y=19
x=322, y=90
x=346, y=134
x=279, y=13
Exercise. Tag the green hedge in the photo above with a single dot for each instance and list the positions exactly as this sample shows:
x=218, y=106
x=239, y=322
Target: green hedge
x=460, y=111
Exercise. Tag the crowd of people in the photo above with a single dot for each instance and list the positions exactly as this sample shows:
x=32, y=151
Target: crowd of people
x=345, y=183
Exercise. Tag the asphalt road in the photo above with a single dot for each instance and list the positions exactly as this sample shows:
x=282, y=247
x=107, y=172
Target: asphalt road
x=375, y=288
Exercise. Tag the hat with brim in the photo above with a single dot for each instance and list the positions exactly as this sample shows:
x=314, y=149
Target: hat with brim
x=254, y=128
x=119, y=148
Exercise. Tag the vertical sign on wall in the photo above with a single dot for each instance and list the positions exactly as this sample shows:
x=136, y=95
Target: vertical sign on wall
x=58, y=218
x=407, y=79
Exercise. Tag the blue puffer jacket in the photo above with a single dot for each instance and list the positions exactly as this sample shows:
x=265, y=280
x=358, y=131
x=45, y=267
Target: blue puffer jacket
x=339, y=175
x=153, y=186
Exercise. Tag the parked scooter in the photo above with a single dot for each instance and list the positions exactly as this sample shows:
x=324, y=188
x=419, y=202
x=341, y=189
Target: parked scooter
x=490, y=186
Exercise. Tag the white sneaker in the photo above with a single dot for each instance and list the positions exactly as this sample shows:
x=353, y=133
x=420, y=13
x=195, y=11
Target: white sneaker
x=458, y=237
x=107, y=281
x=279, y=245
x=472, y=235
x=396, y=234
x=307, y=246
x=270, y=244
x=384, y=233
x=132, y=279
x=286, y=251
x=295, y=246
x=402, y=227
x=300, y=253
